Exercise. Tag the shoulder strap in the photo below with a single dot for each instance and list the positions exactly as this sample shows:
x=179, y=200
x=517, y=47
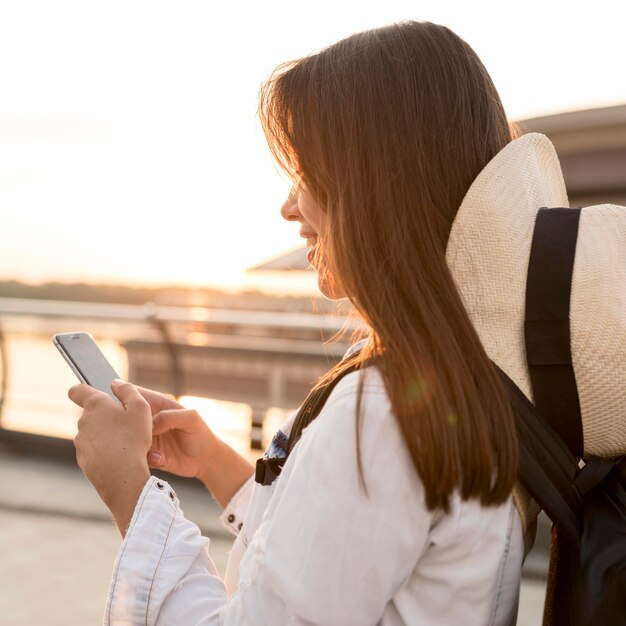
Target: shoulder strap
x=547, y=325
x=547, y=468
x=268, y=469
x=316, y=401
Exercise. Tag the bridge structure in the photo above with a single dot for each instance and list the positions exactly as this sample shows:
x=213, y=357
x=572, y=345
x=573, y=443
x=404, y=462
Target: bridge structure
x=259, y=372
x=265, y=359
x=591, y=145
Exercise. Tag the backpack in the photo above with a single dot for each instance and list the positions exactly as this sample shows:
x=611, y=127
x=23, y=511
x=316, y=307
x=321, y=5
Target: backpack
x=585, y=498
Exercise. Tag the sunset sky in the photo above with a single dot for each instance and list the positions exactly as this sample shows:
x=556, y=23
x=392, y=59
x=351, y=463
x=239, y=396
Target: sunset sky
x=129, y=146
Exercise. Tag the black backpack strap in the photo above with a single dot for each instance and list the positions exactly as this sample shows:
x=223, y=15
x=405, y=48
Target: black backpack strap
x=593, y=473
x=316, y=401
x=547, y=325
x=268, y=469
x=547, y=468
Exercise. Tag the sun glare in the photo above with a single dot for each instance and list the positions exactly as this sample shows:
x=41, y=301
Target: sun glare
x=231, y=422
x=152, y=167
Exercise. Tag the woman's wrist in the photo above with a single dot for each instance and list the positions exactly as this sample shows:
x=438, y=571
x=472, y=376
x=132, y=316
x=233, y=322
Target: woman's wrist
x=122, y=498
x=224, y=473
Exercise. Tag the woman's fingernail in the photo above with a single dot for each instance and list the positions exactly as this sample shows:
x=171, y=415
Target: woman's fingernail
x=117, y=381
x=156, y=458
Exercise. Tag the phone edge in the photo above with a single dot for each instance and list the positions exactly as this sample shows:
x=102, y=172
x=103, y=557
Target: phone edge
x=68, y=360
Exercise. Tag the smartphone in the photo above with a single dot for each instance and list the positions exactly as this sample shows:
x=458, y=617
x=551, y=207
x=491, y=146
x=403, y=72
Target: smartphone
x=86, y=360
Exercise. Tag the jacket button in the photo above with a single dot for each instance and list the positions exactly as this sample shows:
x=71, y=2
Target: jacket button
x=240, y=526
x=231, y=518
x=172, y=495
x=160, y=485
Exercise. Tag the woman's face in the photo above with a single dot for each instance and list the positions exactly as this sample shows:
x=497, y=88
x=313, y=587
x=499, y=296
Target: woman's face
x=301, y=207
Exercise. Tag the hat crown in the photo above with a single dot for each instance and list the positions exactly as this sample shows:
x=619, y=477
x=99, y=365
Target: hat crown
x=488, y=253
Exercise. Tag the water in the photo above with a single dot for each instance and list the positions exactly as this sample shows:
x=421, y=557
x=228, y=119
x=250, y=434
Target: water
x=38, y=379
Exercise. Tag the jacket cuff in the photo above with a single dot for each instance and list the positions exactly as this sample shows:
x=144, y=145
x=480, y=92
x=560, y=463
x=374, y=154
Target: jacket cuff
x=235, y=511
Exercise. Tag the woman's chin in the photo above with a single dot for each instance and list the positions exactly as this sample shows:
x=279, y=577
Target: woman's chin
x=329, y=288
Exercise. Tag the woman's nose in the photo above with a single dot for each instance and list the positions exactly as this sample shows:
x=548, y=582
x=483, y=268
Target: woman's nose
x=290, y=210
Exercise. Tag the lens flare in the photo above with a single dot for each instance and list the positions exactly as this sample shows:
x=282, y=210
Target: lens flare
x=452, y=419
x=420, y=390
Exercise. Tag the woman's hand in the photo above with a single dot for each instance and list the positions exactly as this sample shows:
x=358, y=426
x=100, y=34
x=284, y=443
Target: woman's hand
x=112, y=444
x=115, y=446
x=183, y=444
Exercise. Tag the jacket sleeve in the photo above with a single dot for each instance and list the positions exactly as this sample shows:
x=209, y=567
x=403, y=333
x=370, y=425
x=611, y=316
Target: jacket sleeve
x=161, y=553
x=328, y=550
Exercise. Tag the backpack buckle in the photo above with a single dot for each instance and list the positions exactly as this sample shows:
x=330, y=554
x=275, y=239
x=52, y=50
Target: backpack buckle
x=267, y=470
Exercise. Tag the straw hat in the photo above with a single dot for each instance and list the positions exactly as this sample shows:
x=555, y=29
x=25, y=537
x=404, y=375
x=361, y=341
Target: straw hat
x=488, y=252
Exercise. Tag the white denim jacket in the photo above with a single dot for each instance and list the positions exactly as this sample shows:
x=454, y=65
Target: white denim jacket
x=316, y=548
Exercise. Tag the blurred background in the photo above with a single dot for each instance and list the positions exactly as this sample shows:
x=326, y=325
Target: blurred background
x=140, y=203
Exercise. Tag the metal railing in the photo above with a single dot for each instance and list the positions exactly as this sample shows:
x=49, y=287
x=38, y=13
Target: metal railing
x=165, y=319
x=171, y=314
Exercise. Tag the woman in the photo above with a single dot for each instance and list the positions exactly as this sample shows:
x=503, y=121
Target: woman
x=395, y=506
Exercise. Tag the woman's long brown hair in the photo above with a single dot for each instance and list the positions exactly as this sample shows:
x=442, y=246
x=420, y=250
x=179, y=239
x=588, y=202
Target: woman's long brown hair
x=387, y=129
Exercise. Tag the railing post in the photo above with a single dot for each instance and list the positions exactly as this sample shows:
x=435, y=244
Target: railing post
x=256, y=428
x=175, y=370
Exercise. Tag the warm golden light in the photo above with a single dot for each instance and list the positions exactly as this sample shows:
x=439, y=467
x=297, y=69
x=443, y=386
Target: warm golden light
x=231, y=422
x=151, y=169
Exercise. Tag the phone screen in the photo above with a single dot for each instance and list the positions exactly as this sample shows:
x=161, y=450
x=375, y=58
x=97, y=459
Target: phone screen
x=86, y=359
